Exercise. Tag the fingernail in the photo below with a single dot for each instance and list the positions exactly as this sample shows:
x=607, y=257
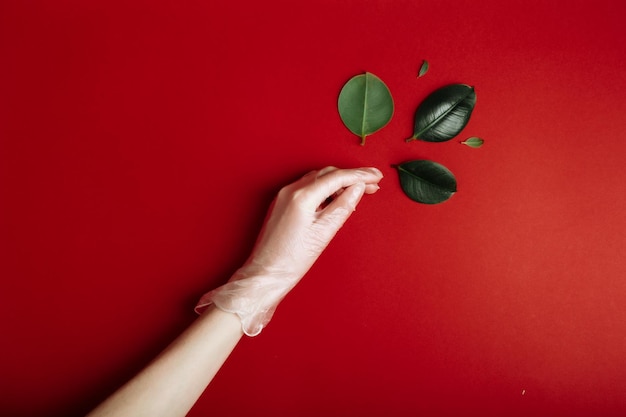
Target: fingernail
x=375, y=171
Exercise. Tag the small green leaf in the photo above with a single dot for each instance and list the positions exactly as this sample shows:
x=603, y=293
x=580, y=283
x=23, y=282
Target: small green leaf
x=423, y=69
x=365, y=105
x=473, y=142
x=444, y=113
x=426, y=181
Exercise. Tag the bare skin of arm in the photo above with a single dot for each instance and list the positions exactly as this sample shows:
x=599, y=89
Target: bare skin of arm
x=172, y=383
x=299, y=226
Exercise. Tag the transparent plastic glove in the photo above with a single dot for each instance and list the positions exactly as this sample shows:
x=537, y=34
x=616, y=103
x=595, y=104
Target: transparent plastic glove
x=302, y=220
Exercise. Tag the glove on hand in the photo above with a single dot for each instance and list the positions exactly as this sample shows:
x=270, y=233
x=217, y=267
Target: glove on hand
x=300, y=224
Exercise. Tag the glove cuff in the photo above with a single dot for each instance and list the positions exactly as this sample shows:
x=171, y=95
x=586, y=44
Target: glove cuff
x=252, y=299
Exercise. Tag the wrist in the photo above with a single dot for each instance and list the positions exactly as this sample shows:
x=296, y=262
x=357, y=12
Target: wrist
x=253, y=298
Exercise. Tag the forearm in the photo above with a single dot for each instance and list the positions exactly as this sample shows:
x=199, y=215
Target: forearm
x=171, y=384
x=299, y=226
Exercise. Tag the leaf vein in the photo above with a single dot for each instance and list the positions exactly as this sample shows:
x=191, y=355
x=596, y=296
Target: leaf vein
x=438, y=119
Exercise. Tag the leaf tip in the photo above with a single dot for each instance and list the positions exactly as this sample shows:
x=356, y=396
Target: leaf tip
x=423, y=69
x=473, y=142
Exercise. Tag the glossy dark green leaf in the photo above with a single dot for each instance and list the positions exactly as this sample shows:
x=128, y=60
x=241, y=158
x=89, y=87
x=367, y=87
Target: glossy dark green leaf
x=423, y=69
x=444, y=113
x=473, y=142
x=365, y=105
x=426, y=182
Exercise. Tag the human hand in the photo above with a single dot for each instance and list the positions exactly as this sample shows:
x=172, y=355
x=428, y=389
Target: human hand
x=302, y=221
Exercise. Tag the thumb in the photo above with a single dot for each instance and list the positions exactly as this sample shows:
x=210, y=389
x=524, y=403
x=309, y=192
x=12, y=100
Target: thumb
x=350, y=198
x=337, y=212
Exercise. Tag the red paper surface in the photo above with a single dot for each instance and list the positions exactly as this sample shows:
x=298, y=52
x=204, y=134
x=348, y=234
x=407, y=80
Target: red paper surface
x=142, y=141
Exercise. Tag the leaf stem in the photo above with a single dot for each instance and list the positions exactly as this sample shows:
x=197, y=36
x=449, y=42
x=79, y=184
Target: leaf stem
x=363, y=140
x=411, y=139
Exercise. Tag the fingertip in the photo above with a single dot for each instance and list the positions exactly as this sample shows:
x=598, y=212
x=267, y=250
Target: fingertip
x=371, y=188
x=370, y=175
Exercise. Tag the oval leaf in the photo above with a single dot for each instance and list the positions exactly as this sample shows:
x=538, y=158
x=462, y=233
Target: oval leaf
x=423, y=69
x=444, y=113
x=473, y=142
x=365, y=105
x=426, y=181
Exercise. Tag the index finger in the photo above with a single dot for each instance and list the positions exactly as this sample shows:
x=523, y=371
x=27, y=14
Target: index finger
x=330, y=182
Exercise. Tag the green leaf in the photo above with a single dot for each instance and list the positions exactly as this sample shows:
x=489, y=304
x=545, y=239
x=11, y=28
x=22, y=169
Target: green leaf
x=473, y=142
x=365, y=105
x=444, y=113
x=423, y=69
x=426, y=181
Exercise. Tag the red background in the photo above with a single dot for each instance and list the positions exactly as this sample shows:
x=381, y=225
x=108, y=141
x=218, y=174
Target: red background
x=141, y=143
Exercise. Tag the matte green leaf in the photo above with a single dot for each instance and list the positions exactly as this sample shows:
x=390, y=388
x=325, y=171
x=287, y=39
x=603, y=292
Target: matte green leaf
x=444, y=113
x=365, y=105
x=426, y=182
x=473, y=142
x=423, y=69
